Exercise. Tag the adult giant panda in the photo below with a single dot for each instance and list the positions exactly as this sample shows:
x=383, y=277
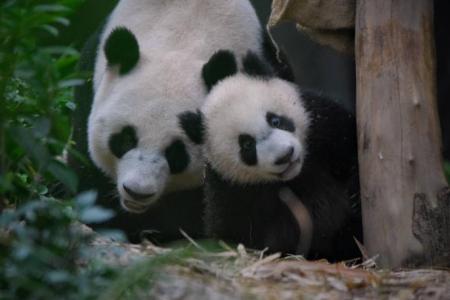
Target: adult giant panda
x=146, y=61
x=281, y=162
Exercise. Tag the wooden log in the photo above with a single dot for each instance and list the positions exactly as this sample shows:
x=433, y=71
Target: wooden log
x=322, y=15
x=405, y=196
x=329, y=23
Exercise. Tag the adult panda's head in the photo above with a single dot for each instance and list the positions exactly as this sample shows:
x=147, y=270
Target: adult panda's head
x=133, y=131
x=253, y=125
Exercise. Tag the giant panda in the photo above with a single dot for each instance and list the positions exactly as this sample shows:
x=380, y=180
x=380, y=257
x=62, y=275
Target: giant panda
x=281, y=162
x=146, y=62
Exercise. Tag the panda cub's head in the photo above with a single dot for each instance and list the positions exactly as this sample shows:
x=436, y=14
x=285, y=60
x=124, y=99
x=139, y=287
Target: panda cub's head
x=253, y=125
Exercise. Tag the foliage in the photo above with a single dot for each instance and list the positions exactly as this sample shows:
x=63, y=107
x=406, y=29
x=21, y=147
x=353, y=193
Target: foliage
x=35, y=99
x=447, y=170
x=141, y=275
x=41, y=249
x=138, y=279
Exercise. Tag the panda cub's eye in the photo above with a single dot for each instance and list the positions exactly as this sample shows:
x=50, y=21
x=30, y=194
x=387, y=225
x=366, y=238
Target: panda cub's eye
x=275, y=121
x=280, y=122
x=246, y=142
x=247, y=149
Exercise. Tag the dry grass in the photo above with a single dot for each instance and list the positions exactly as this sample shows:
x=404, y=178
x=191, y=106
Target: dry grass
x=195, y=271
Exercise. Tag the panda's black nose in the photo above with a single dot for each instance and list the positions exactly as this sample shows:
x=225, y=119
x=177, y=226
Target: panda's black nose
x=135, y=195
x=286, y=157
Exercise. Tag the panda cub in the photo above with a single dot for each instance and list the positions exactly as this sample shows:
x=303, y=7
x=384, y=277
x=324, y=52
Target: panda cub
x=281, y=162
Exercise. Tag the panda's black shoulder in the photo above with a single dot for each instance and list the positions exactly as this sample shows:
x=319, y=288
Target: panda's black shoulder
x=276, y=58
x=332, y=133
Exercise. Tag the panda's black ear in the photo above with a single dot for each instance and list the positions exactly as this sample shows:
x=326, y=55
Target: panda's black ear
x=192, y=125
x=222, y=64
x=254, y=66
x=122, y=49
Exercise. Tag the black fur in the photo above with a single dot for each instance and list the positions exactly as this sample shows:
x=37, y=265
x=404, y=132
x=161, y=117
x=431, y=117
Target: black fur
x=122, y=49
x=255, y=216
x=221, y=65
x=278, y=61
x=254, y=66
x=177, y=157
x=192, y=125
x=247, y=149
x=280, y=122
x=123, y=141
x=336, y=143
x=250, y=214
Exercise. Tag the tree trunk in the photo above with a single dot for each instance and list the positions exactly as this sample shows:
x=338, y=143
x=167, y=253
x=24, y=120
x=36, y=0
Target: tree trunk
x=405, y=196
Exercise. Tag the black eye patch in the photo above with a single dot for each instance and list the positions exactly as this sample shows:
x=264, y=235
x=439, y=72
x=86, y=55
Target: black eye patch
x=177, y=157
x=123, y=141
x=247, y=145
x=280, y=122
x=192, y=125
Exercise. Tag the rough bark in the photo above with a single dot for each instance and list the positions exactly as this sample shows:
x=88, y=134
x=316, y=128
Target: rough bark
x=405, y=198
x=329, y=22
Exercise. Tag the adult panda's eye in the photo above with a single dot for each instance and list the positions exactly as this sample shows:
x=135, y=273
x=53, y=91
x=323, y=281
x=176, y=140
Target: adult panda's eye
x=177, y=157
x=123, y=141
x=246, y=142
x=247, y=145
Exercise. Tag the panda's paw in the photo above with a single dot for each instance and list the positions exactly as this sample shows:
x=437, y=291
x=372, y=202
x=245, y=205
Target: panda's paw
x=301, y=215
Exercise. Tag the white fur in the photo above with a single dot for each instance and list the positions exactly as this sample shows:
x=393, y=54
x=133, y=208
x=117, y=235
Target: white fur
x=238, y=105
x=176, y=38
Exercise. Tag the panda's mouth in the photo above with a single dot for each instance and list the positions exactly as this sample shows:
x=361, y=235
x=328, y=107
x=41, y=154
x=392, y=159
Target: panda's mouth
x=290, y=171
x=135, y=207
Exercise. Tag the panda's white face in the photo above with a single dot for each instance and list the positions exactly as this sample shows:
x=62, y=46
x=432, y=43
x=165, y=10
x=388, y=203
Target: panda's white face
x=255, y=129
x=144, y=150
x=133, y=130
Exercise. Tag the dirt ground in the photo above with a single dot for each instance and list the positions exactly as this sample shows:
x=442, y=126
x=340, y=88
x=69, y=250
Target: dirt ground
x=195, y=272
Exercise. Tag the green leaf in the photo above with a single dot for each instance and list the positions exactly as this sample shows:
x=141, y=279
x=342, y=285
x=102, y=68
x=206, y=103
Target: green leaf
x=63, y=174
x=25, y=138
x=86, y=199
x=40, y=127
x=50, y=8
x=96, y=214
x=61, y=50
x=71, y=105
x=447, y=170
x=70, y=83
x=58, y=276
x=62, y=21
x=50, y=29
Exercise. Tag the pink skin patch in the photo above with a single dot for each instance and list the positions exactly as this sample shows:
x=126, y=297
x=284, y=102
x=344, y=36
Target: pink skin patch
x=302, y=216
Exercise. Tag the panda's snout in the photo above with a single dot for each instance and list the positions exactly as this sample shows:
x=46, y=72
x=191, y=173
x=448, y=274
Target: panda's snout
x=137, y=196
x=141, y=179
x=286, y=157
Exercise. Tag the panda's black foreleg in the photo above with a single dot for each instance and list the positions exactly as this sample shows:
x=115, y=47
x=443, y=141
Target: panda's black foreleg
x=251, y=215
x=227, y=208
